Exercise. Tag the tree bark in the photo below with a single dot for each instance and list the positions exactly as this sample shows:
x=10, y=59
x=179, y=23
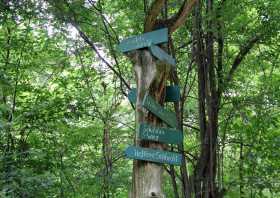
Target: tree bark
x=241, y=158
x=174, y=183
x=107, y=154
x=151, y=79
x=205, y=170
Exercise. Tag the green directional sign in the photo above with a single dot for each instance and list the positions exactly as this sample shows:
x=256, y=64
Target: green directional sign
x=132, y=95
x=158, y=134
x=153, y=155
x=165, y=115
x=162, y=55
x=144, y=40
x=172, y=94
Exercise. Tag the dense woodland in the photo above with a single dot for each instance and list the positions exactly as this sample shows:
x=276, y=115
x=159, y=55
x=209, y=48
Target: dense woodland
x=65, y=119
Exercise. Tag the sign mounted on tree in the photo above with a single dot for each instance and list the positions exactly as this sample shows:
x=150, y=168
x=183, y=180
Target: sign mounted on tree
x=153, y=155
x=165, y=115
x=162, y=55
x=172, y=94
x=144, y=40
x=159, y=134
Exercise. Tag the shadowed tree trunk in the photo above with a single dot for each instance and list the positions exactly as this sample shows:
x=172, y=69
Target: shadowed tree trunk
x=241, y=178
x=211, y=84
x=107, y=154
x=205, y=170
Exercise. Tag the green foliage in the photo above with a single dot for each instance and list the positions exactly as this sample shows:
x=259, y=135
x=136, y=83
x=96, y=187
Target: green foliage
x=57, y=98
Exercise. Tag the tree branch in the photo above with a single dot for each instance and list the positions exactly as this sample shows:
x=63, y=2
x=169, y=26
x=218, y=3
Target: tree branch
x=190, y=126
x=73, y=22
x=92, y=45
x=180, y=18
x=152, y=15
x=241, y=55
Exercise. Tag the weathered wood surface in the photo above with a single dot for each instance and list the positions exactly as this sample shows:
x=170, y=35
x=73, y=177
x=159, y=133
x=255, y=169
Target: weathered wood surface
x=172, y=94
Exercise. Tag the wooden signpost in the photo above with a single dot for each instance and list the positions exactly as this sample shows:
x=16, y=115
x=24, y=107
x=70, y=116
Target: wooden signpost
x=172, y=94
x=144, y=40
x=158, y=134
x=148, y=132
x=162, y=55
x=165, y=115
x=153, y=155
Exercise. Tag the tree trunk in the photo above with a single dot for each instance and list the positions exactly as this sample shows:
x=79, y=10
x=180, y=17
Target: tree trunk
x=241, y=158
x=151, y=78
x=174, y=183
x=107, y=154
x=186, y=187
x=205, y=170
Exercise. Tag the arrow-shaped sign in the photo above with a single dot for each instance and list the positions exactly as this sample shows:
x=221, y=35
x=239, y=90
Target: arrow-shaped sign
x=144, y=40
x=162, y=55
x=165, y=115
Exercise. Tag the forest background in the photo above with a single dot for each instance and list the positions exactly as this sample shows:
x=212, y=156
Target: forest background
x=65, y=119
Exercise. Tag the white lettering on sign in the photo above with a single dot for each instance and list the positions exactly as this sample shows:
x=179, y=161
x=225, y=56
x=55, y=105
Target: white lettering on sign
x=156, y=155
x=152, y=133
x=139, y=41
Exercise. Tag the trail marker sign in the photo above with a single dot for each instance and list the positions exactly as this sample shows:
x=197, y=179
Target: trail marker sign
x=153, y=155
x=159, y=134
x=146, y=131
x=167, y=116
x=162, y=55
x=172, y=93
x=144, y=40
